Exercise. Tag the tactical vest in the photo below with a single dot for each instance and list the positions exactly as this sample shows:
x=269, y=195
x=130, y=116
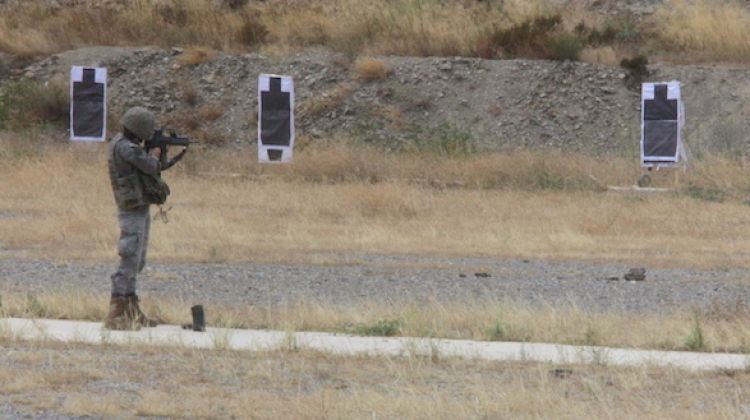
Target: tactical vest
x=128, y=190
x=155, y=190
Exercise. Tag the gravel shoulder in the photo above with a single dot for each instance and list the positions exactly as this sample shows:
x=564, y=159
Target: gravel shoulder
x=394, y=279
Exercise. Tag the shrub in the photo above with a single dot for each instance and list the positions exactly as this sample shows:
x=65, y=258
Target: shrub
x=565, y=47
x=235, y=4
x=541, y=37
x=382, y=328
x=637, y=68
x=196, y=55
x=369, y=69
x=443, y=140
x=526, y=39
x=696, y=341
x=596, y=37
x=622, y=29
x=29, y=103
x=498, y=332
x=627, y=30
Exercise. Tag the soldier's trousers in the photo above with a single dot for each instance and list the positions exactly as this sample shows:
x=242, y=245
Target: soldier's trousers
x=134, y=227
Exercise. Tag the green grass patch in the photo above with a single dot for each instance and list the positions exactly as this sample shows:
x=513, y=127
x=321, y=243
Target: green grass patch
x=443, y=140
x=712, y=194
x=29, y=103
x=696, y=341
x=381, y=328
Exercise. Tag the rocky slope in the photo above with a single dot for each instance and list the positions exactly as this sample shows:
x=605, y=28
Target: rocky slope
x=493, y=104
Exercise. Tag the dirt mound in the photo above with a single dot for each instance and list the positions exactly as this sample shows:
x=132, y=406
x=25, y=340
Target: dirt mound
x=489, y=104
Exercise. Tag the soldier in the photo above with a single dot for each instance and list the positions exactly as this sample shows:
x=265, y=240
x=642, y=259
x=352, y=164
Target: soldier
x=129, y=167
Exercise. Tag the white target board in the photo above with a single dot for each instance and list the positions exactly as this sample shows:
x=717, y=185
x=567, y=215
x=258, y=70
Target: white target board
x=275, y=118
x=662, y=122
x=88, y=103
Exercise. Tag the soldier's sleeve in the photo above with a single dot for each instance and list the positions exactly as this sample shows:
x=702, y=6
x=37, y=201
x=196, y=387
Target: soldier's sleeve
x=136, y=156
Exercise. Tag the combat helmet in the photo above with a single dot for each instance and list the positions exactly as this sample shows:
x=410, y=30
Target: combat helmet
x=140, y=121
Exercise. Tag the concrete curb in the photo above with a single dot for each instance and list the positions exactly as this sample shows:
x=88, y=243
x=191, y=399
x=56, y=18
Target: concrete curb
x=264, y=340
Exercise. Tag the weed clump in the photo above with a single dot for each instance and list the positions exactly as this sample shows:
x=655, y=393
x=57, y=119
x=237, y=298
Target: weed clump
x=696, y=340
x=546, y=37
x=621, y=30
x=35, y=308
x=529, y=39
x=565, y=47
x=26, y=103
x=443, y=140
x=235, y=4
x=497, y=332
x=637, y=68
x=382, y=328
x=197, y=55
x=370, y=70
x=542, y=37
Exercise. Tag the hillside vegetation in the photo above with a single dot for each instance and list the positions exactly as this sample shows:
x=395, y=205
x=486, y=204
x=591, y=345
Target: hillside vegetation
x=685, y=30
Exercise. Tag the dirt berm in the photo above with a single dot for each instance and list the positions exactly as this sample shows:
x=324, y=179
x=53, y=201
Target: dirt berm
x=492, y=104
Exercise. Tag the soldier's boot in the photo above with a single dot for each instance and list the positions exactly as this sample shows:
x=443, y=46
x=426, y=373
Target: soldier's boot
x=120, y=316
x=138, y=316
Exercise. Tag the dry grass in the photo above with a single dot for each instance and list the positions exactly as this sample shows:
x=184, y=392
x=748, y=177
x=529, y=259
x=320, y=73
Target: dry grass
x=705, y=29
x=326, y=101
x=720, y=329
x=404, y=27
x=370, y=69
x=343, y=198
x=141, y=381
x=196, y=55
x=701, y=28
x=601, y=55
x=189, y=94
x=210, y=112
x=34, y=28
x=25, y=103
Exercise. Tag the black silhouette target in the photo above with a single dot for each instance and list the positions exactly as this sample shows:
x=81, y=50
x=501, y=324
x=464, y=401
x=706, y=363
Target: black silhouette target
x=661, y=124
x=88, y=103
x=275, y=118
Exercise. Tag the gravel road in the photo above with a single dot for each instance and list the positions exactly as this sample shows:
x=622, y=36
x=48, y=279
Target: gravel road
x=358, y=278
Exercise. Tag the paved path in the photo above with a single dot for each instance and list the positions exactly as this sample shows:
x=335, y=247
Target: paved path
x=261, y=340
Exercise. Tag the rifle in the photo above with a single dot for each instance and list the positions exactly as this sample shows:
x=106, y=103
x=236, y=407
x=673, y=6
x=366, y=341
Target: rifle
x=162, y=142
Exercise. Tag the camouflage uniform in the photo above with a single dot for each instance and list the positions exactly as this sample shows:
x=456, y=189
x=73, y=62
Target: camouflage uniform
x=127, y=157
x=128, y=162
